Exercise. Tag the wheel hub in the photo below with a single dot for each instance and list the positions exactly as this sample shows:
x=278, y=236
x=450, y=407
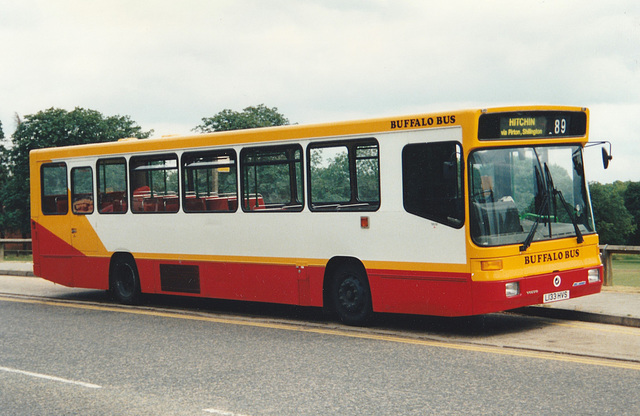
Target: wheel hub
x=350, y=294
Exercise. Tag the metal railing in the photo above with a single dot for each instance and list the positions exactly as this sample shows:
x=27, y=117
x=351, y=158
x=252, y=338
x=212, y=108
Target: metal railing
x=4, y=241
x=606, y=253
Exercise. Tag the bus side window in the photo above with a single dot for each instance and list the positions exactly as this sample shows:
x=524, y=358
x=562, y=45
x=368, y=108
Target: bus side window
x=154, y=181
x=272, y=178
x=112, y=185
x=82, y=190
x=432, y=182
x=344, y=176
x=209, y=181
x=54, y=193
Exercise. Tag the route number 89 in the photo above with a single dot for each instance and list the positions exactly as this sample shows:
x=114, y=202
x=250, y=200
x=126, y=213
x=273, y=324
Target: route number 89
x=560, y=126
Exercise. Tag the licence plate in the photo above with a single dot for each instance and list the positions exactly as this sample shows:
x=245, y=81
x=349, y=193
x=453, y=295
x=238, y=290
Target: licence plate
x=555, y=296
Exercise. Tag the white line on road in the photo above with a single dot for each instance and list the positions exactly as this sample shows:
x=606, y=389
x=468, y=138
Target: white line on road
x=52, y=378
x=222, y=412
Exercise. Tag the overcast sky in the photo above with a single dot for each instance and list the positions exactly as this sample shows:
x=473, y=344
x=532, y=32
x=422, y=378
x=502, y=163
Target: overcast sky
x=167, y=64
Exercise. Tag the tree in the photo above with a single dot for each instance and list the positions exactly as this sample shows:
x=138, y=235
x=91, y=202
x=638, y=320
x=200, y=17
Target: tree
x=4, y=172
x=51, y=128
x=250, y=117
x=632, y=203
x=613, y=222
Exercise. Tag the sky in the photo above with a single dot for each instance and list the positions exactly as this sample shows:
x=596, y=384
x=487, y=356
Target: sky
x=167, y=64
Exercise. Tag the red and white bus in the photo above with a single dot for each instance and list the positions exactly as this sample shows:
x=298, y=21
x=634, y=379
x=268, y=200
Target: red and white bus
x=451, y=214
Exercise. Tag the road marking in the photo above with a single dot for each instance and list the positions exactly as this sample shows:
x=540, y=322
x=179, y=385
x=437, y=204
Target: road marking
x=222, y=412
x=353, y=333
x=51, y=378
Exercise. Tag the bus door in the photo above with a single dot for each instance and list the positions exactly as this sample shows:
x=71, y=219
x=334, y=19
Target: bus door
x=82, y=235
x=81, y=207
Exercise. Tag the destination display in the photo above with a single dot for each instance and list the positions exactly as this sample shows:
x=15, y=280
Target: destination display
x=532, y=124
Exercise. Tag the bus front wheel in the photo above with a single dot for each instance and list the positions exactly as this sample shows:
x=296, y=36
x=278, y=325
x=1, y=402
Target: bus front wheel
x=124, y=282
x=351, y=295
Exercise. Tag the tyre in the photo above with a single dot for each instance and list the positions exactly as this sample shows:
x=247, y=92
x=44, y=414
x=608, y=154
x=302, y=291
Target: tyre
x=351, y=295
x=124, y=281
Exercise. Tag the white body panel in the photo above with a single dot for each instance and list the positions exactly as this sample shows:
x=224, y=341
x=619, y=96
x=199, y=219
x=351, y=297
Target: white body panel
x=394, y=235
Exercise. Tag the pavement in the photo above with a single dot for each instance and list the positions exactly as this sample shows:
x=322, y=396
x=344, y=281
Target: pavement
x=615, y=305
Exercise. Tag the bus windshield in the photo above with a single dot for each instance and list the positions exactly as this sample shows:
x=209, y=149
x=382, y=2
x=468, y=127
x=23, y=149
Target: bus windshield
x=526, y=194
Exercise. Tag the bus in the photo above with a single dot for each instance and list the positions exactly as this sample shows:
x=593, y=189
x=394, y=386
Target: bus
x=450, y=214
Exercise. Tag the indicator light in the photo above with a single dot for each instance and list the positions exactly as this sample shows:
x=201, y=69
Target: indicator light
x=491, y=265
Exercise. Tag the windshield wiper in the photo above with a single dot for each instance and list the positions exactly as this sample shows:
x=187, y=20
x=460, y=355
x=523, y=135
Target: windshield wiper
x=542, y=191
x=527, y=242
x=557, y=192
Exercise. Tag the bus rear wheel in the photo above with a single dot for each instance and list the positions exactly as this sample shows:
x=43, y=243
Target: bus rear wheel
x=351, y=295
x=124, y=281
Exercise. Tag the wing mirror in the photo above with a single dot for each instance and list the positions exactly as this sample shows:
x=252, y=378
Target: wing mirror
x=606, y=157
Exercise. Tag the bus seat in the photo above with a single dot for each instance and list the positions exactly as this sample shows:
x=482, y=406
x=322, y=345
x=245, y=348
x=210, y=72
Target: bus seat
x=139, y=196
x=194, y=204
x=152, y=204
x=171, y=204
x=62, y=204
x=218, y=204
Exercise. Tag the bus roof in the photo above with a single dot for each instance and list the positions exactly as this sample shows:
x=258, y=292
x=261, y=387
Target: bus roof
x=283, y=133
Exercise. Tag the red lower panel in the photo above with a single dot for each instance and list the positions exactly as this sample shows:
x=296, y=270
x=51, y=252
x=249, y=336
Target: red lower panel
x=91, y=272
x=443, y=294
x=285, y=284
x=75, y=271
x=57, y=269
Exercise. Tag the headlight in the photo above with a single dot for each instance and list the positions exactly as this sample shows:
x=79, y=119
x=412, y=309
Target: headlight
x=594, y=275
x=512, y=289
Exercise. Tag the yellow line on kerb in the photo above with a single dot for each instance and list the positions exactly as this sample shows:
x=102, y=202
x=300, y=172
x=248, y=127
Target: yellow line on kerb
x=343, y=333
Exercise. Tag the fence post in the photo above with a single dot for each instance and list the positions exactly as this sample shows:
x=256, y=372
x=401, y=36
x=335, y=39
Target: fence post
x=1, y=251
x=608, y=266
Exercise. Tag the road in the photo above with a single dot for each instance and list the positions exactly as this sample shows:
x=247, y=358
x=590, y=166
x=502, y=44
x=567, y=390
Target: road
x=69, y=351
